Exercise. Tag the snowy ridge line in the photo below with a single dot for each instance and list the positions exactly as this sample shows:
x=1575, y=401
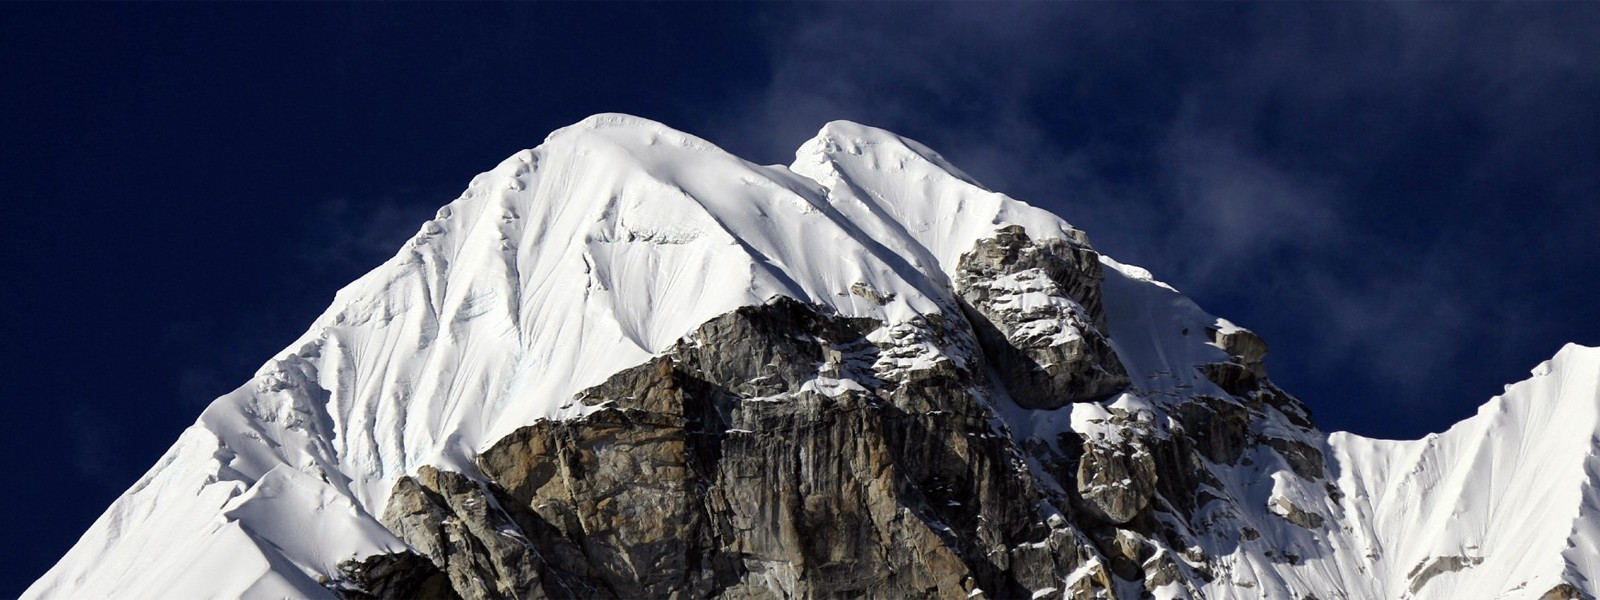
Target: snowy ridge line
x=618, y=236
x=1499, y=505
x=582, y=257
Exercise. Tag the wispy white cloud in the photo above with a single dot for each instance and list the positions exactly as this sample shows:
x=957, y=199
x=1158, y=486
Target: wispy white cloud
x=349, y=235
x=1283, y=162
x=91, y=455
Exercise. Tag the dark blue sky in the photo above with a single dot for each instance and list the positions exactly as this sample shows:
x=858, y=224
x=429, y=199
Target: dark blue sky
x=1402, y=199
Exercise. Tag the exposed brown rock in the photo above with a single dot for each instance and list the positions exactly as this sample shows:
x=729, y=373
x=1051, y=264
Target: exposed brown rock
x=1304, y=459
x=1282, y=507
x=1565, y=591
x=1243, y=346
x=449, y=518
x=1219, y=429
x=1041, y=369
x=1439, y=565
x=400, y=576
x=1116, y=480
x=723, y=468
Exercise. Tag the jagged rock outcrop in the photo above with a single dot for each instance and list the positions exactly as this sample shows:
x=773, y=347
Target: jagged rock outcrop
x=1285, y=508
x=455, y=522
x=1439, y=565
x=1219, y=427
x=1037, y=310
x=1116, y=480
x=932, y=390
x=1304, y=459
x=726, y=468
x=395, y=576
x=783, y=451
x=1243, y=346
x=1564, y=591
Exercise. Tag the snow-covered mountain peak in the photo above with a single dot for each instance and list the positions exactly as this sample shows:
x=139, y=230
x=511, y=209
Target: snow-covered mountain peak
x=1505, y=498
x=958, y=364
x=631, y=233
x=878, y=178
x=625, y=130
x=883, y=146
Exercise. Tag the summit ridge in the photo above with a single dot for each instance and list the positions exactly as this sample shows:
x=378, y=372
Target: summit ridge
x=629, y=363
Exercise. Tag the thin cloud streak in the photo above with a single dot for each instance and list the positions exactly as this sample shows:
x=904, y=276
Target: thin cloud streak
x=347, y=235
x=1278, y=163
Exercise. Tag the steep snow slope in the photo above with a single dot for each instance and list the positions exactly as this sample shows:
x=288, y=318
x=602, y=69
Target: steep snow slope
x=603, y=246
x=1501, y=505
x=554, y=270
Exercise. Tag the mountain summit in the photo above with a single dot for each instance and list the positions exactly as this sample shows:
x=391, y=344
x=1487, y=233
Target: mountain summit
x=627, y=363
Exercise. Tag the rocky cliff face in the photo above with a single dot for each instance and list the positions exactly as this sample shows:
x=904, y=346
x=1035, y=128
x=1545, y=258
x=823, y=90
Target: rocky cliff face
x=629, y=364
x=1039, y=318
x=782, y=451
